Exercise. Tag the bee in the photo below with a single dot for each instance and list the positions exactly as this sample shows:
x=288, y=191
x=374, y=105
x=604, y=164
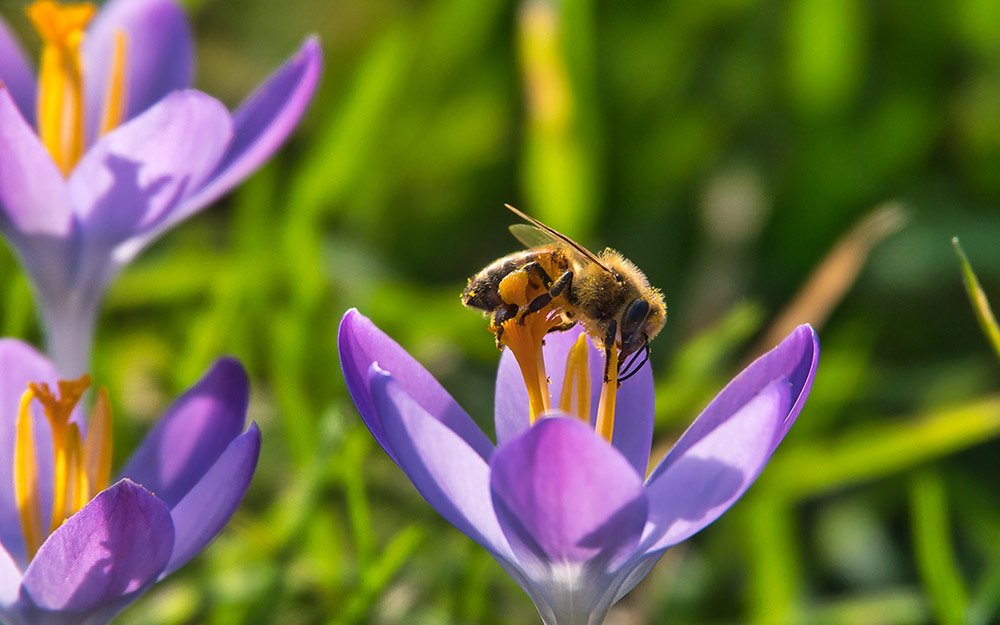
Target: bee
x=605, y=293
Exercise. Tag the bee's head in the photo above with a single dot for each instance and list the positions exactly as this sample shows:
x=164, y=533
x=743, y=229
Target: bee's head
x=642, y=319
x=633, y=326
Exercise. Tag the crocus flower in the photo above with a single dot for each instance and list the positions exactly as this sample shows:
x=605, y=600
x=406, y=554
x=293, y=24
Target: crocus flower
x=569, y=516
x=76, y=549
x=123, y=150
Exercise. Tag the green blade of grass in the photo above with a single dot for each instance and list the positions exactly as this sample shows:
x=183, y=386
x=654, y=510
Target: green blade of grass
x=376, y=578
x=892, y=606
x=932, y=546
x=18, y=306
x=980, y=305
x=984, y=602
x=562, y=179
x=775, y=579
x=864, y=454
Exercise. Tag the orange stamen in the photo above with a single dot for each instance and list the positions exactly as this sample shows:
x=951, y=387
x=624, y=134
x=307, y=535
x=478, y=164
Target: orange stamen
x=59, y=410
x=26, y=479
x=609, y=392
x=81, y=468
x=96, y=458
x=114, y=104
x=60, y=78
x=72, y=494
x=576, y=383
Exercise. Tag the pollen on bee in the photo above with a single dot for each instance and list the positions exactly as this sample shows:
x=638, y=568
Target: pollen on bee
x=514, y=288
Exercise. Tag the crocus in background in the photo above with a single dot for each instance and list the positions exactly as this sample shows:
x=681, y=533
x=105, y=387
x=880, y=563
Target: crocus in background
x=109, y=148
x=76, y=549
x=569, y=516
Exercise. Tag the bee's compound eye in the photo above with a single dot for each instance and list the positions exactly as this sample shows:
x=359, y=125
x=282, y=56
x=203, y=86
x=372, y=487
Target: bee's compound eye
x=635, y=314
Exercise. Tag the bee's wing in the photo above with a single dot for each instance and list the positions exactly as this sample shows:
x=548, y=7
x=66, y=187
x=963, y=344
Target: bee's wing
x=538, y=234
x=531, y=236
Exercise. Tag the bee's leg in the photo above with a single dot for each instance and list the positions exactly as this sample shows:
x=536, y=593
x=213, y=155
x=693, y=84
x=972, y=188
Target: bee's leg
x=561, y=285
x=564, y=283
x=609, y=344
x=539, y=271
x=500, y=315
x=562, y=327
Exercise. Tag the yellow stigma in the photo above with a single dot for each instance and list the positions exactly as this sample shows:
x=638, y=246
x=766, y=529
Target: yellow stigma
x=60, y=105
x=81, y=467
x=524, y=336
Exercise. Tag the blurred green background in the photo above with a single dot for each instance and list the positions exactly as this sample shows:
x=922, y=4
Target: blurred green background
x=732, y=149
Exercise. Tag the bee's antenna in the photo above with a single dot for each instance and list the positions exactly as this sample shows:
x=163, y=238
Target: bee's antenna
x=628, y=374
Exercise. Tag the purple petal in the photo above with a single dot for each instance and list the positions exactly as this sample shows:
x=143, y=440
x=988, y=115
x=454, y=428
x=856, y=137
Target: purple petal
x=193, y=434
x=15, y=73
x=207, y=507
x=159, y=57
x=510, y=399
x=636, y=570
x=128, y=184
x=361, y=344
x=132, y=178
x=795, y=359
x=564, y=495
x=20, y=364
x=10, y=580
x=36, y=214
x=634, y=410
x=799, y=351
x=714, y=472
x=34, y=197
x=452, y=476
x=726, y=448
x=263, y=122
x=111, y=549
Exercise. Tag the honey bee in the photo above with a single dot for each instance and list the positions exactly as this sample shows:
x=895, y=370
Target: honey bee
x=605, y=293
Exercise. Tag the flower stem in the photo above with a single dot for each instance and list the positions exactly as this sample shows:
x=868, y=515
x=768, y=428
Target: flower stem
x=69, y=334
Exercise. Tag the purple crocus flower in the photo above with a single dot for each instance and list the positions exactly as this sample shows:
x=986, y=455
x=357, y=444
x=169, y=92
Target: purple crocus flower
x=173, y=497
x=123, y=151
x=569, y=516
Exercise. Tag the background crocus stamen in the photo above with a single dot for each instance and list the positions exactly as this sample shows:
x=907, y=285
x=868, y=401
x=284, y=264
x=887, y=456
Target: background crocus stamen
x=576, y=382
x=114, y=103
x=60, y=79
x=609, y=392
x=26, y=479
x=95, y=461
x=73, y=495
x=81, y=467
x=58, y=411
